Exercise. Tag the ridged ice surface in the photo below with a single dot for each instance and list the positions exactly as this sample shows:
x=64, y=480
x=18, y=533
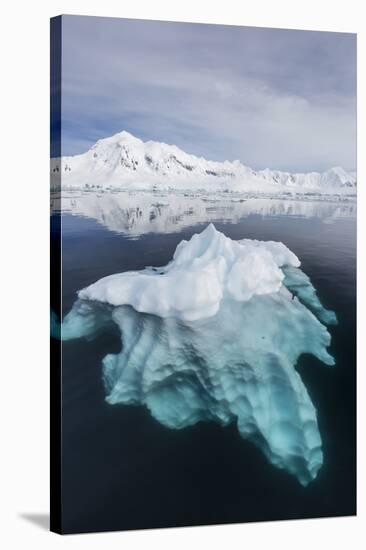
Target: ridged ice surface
x=215, y=336
x=204, y=271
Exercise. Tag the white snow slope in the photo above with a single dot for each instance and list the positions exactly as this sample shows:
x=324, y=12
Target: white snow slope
x=125, y=162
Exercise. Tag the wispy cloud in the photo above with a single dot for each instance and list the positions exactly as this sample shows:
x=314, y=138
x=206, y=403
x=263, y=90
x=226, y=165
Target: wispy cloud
x=277, y=98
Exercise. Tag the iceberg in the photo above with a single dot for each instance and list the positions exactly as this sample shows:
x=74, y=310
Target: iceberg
x=215, y=335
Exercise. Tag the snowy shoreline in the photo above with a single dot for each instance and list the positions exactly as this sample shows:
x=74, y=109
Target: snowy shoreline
x=211, y=196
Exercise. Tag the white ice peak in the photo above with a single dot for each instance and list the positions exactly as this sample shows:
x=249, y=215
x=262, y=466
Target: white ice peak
x=204, y=271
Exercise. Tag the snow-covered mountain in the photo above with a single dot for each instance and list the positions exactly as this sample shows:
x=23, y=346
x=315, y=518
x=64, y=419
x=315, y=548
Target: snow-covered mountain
x=123, y=161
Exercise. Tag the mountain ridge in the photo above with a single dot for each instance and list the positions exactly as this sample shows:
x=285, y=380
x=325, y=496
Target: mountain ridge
x=124, y=161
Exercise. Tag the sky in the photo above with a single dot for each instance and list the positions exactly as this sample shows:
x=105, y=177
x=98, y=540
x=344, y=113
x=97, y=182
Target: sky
x=282, y=99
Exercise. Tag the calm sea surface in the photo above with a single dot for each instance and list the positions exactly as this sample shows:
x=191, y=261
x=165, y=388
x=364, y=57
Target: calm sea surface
x=121, y=469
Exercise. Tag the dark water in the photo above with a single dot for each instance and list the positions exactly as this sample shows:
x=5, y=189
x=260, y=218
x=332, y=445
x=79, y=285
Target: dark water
x=121, y=469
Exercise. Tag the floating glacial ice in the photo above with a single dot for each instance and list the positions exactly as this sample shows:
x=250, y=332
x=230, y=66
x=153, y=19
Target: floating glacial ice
x=215, y=335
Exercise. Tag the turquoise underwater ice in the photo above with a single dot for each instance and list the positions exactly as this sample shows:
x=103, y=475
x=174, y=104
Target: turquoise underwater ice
x=215, y=336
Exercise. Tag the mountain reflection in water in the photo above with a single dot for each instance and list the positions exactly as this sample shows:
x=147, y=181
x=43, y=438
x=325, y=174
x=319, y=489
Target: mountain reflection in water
x=137, y=213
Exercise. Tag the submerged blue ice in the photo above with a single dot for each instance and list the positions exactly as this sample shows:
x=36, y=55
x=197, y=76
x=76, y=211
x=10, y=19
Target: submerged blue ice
x=215, y=336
